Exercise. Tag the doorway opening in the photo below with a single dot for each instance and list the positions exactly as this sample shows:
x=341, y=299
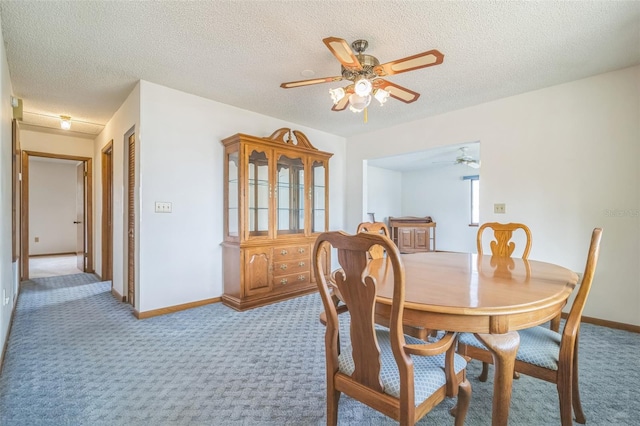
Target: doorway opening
x=80, y=218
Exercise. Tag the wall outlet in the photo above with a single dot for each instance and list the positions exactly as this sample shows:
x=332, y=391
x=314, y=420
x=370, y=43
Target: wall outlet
x=500, y=208
x=36, y=239
x=163, y=207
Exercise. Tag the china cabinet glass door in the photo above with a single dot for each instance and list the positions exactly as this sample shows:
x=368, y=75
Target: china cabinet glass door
x=233, y=195
x=318, y=196
x=259, y=193
x=290, y=195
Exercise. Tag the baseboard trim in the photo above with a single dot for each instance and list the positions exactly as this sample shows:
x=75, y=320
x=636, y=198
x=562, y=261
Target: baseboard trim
x=6, y=340
x=175, y=308
x=118, y=296
x=606, y=323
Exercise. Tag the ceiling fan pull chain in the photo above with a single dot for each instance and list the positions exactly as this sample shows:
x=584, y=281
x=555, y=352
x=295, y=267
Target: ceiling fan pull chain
x=366, y=115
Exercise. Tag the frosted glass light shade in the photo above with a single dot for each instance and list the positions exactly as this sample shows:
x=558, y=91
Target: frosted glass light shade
x=336, y=94
x=362, y=87
x=358, y=103
x=381, y=96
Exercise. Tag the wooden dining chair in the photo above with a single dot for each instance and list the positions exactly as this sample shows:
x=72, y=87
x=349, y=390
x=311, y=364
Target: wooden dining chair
x=400, y=376
x=547, y=354
x=504, y=247
x=503, y=232
x=376, y=252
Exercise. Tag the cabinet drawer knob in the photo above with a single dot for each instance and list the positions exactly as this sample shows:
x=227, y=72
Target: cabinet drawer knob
x=301, y=250
x=284, y=252
x=283, y=266
x=283, y=281
x=301, y=264
x=301, y=278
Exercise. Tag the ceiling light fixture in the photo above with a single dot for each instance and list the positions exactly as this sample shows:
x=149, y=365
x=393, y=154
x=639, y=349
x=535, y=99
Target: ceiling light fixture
x=65, y=122
x=367, y=76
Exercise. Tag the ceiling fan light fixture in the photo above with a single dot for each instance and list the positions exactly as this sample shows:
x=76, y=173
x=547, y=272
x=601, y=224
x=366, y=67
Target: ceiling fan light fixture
x=362, y=87
x=65, y=122
x=358, y=103
x=381, y=96
x=337, y=95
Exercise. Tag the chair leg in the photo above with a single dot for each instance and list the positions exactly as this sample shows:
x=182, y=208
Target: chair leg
x=564, y=395
x=333, y=399
x=484, y=375
x=575, y=397
x=462, y=406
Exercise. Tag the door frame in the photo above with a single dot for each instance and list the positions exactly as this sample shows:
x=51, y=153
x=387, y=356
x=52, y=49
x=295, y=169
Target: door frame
x=24, y=208
x=107, y=212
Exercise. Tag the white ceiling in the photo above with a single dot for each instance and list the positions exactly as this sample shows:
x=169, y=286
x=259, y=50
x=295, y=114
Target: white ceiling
x=83, y=58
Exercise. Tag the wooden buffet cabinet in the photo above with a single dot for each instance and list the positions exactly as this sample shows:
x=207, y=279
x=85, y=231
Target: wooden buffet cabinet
x=276, y=203
x=413, y=234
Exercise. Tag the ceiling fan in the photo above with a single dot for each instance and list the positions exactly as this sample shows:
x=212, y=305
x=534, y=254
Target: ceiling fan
x=365, y=74
x=463, y=158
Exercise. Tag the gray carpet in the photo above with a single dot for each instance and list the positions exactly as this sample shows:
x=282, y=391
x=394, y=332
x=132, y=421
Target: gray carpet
x=76, y=356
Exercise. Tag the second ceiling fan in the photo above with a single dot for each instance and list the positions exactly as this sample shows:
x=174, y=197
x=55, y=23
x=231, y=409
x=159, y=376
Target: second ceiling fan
x=365, y=74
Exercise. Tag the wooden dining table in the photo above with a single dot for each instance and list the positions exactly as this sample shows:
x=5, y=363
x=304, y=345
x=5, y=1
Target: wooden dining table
x=489, y=296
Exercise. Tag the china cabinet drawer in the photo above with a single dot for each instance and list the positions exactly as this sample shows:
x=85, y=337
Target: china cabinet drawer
x=285, y=254
x=285, y=282
x=291, y=267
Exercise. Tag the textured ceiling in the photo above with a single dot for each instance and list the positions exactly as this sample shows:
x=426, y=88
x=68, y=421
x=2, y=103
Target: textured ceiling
x=83, y=58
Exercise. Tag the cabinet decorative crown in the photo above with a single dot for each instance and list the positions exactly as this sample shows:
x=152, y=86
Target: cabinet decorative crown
x=284, y=135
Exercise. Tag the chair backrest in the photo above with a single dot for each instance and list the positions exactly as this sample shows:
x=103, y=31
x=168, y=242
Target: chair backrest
x=376, y=252
x=358, y=292
x=502, y=245
x=572, y=325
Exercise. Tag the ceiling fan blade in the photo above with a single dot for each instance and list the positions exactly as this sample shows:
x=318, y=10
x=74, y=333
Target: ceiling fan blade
x=341, y=50
x=410, y=63
x=400, y=93
x=300, y=83
x=341, y=105
x=474, y=164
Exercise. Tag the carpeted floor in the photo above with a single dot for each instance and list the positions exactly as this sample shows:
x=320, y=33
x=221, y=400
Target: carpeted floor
x=76, y=356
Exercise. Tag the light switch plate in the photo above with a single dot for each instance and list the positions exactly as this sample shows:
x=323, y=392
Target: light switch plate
x=163, y=207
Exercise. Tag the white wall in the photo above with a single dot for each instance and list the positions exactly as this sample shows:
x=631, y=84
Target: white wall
x=181, y=161
x=52, y=207
x=384, y=193
x=441, y=193
x=125, y=118
x=563, y=159
x=52, y=143
x=8, y=269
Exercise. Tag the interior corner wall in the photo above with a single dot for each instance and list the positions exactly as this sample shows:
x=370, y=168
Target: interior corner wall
x=564, y=161
x=124, y=119
x=8, y=269
x=181, y=162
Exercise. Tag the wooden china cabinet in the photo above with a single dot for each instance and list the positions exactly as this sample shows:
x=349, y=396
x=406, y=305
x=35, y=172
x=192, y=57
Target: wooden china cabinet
x=276, y=203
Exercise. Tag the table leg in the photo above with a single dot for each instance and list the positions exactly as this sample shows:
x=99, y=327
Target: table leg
x=503, y=348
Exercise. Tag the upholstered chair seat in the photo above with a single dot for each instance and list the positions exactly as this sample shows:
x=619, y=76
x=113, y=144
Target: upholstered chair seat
x=428, y=371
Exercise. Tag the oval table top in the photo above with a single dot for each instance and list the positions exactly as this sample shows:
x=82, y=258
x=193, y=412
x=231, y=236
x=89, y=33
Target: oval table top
x=467, y=285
